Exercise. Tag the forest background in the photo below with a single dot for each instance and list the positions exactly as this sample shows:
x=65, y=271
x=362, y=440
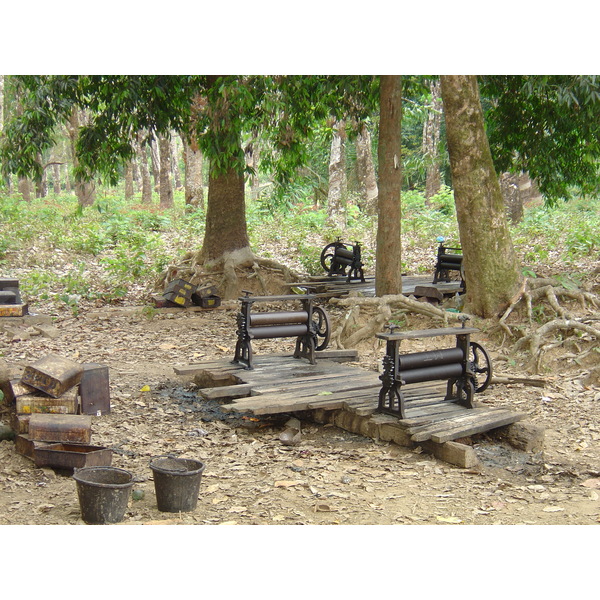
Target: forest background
x=470, y=40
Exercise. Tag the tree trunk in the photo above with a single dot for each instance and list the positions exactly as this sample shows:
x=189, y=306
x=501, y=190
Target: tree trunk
x=491, y=270
x=367, y=179
x=175, y=149
x=336, y=195
x=128, y=180
x=41, y=186
x=25, y=189
x=252, y=152
x=509, y=185
x=388, y=269
x=225, y=216
x=194, y=181
x=56, y=178
x=431, y=140
x=166, y=185
x=155, y=162
x=84, y=190
x=140, y=148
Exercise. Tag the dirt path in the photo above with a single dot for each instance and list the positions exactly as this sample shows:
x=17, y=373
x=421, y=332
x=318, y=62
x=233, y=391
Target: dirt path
x=332, y=477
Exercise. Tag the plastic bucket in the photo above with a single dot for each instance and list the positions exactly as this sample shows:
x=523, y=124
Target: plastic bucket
x=103, y=493
x=176, y=483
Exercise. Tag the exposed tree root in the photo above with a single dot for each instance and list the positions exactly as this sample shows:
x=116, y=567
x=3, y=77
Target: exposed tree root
x=385, y=306
x=534, y=291
x=229, y=273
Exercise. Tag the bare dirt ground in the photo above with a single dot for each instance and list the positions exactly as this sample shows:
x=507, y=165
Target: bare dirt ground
x=332, y=476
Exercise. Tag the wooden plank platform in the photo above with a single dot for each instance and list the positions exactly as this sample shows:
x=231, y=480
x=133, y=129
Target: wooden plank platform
x=280, y=383
x=338, y=286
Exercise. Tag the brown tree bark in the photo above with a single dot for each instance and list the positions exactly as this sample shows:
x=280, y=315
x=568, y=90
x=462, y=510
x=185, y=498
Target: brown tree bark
x=388, y=271
x=128, y=180
x=165, y=183
x=336, y=195
x=56, y=178
x=194, y=181
x=492, y=272
x=144, y=171
x=367, y=179
x=84, y=190
x=431, y=140
x=226, y=232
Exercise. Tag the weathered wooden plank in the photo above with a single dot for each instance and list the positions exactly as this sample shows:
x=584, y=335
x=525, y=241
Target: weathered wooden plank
x=485, y=423
x=460, y=455
x=424, y=433
x=226, y=391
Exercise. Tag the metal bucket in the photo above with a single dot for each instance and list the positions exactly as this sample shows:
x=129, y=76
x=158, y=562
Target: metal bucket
x=103, y=494
x=176, y=483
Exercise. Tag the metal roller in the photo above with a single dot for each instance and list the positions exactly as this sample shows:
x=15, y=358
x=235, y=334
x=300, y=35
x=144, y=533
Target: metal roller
x=428, y=359
x=344, y=253
x=431, y=373
x=278, y=318
x=276, y=331
x=454, y=259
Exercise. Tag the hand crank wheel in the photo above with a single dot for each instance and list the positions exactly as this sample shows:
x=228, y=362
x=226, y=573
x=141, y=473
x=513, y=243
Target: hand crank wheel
x=480, y=363
x=327, y=259
x=322, y=327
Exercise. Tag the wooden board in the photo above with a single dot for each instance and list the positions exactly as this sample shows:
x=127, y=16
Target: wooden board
x=339, y=286
x=280, y=383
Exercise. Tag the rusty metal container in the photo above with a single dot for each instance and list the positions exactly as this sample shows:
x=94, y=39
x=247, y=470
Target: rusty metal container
x=94, y=390
x=209, y=302
x=60, y=428
x=11, y=285
x=19, y=423
x=7, y=297
x=13, y=310
x=179, y=292
x=71, y=456
x=25, y=446
x=53, y=375
x=67, y=404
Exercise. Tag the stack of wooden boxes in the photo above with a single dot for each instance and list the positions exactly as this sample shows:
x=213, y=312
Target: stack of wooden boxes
x=51, y=412
x=184, y=294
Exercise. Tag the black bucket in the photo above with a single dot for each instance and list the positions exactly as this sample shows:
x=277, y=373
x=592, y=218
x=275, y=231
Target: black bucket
x=103, y=494
x=176, y=483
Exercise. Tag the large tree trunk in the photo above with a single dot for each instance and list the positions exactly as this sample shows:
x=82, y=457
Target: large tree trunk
x=491, y=269
x=194, y=182
x=336, y=213
x=367, y=179
x=388, y=271
x=165, y=183
x=431, y=140
x=225, y=216
x=84, y=190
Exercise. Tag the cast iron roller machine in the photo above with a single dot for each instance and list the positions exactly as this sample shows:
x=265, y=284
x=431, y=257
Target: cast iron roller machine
x=467, y=368
x=310, y=326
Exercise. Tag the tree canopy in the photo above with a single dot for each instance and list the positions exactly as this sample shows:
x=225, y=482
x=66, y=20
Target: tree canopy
x=546, y=125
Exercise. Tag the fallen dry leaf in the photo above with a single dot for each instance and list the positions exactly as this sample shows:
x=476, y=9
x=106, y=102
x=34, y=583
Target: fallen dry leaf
x=288, y=483
x=593, y=483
